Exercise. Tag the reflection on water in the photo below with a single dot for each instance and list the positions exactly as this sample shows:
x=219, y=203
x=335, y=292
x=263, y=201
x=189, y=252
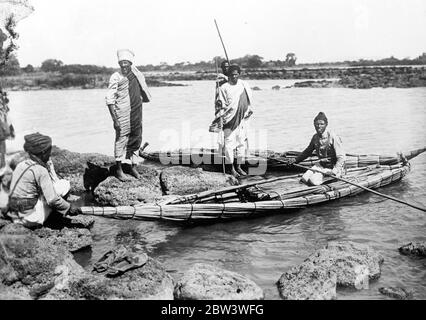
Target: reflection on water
x=369, y=121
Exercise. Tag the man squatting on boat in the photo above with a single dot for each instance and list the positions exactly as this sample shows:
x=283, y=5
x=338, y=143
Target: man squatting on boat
x=328, y=147
x=127, y=92
x=36, y=190
x=235, y=98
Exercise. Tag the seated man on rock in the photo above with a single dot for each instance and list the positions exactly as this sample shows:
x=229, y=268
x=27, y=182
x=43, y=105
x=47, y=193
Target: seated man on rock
x=36, y=191
x=329, y=149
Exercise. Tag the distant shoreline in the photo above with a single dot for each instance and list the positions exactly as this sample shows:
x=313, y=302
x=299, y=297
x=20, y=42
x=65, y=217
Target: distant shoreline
x=349, y=77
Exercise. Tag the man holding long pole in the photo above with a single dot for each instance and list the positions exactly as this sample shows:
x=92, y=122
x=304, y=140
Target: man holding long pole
x=235, y=97
x=234, y=107
x=217, y=125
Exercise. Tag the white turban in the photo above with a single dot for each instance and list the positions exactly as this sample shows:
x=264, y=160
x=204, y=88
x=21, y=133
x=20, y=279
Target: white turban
x=125, y=54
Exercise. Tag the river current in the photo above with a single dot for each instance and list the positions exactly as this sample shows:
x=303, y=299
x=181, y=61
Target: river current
x=379, y=121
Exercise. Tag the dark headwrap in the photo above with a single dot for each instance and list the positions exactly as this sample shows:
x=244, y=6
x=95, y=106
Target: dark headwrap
x=37, y=143
x=233, y=68
x=321, y=116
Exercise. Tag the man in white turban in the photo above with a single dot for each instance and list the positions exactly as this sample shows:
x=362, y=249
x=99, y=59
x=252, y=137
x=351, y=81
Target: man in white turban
x=127, y=92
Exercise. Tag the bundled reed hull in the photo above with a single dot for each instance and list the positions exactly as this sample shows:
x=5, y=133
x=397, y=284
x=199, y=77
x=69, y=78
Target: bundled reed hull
x=210, y=158
x=282, y=198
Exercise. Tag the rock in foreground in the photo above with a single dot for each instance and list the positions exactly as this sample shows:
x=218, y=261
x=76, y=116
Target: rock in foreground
x=205, y=282
x=397, y=293
x=149, y=282
x=146, y=189
x=339, y=264
x=308, y=282
x=72, y=239
x=31, y=265
x=414, y=248
x=356, y=253
x=184, y=181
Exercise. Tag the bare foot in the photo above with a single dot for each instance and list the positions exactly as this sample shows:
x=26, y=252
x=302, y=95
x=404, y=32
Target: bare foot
x=120, y=176
x=240, y=171
x=133, y=172
x=235, y=173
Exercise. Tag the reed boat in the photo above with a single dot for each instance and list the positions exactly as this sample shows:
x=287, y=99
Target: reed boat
x=211, y=159
x=259, y=198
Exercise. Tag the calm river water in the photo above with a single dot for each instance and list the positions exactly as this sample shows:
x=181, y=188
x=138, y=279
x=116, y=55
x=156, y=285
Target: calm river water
x=369, y=121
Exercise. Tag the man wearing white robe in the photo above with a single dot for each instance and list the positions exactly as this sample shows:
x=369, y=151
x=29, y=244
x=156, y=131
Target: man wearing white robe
x=236, y=98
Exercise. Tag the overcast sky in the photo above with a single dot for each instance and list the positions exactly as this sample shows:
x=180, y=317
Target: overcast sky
x=90, y=31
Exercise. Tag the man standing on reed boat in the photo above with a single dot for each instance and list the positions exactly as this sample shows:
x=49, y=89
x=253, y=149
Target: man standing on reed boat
x=127, y=92
x=236, y=100
x=329, y=149
x=36, y=191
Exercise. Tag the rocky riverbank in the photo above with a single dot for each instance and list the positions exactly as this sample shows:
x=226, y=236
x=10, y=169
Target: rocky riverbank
x=57, y=81
x=40, y=264
x=367, y=78
x=34, y=266
x=353, y=77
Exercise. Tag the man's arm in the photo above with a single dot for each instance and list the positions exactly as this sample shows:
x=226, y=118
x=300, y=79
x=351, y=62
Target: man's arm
x=114, y=117
x=46, y=185
x=307, y=152
x=221, y=78
x=225, y=102
x=111, y=99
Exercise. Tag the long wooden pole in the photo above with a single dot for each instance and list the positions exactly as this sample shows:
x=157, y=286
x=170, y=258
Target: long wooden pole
x=223, y=45
x=362, y=187
x=221, y=122
x=354, y=184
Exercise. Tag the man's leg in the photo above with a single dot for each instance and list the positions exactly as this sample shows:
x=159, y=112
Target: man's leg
x=316, y=178
x=119, y=174
x=38, y=216
x=229, y=148
x=120, y=154
x=239, y=159
x=305, y=178
x=133, y=170
x=241, y=149
x=133, y=146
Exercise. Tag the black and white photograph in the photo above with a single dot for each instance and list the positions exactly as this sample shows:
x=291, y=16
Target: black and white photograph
x=231, y=150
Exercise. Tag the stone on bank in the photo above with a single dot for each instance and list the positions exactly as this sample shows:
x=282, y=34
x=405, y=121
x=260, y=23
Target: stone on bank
x=183, y=181
x=146, y=189
x=206, y=282
x=396, y=293
x=414, y=249
x=339, y=264
x=32, y=267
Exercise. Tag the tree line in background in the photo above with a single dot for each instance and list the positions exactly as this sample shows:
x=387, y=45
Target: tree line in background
x=12, y=66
